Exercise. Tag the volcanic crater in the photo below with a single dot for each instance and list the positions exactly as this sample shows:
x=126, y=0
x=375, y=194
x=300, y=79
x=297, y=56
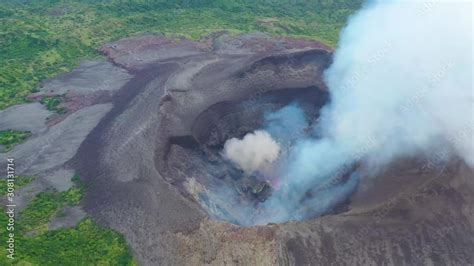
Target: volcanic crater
x=154, y=161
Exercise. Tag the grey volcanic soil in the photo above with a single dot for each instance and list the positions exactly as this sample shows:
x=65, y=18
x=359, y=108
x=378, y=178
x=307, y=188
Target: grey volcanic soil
x=144, y=168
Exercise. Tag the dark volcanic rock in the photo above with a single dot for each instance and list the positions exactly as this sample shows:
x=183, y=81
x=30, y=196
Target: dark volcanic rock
x=156, y=152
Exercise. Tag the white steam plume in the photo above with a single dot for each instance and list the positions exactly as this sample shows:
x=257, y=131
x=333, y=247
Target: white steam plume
x=401, y=85
x=254, y=152
x=402, y=77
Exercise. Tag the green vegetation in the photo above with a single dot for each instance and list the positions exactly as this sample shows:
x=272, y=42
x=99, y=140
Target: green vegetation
x=10, y=138
x=39, y=211
x=20, y=181
x=36, y=215
x=75, y=194
x=52, y=104
x=39, y=39
x=86, y=244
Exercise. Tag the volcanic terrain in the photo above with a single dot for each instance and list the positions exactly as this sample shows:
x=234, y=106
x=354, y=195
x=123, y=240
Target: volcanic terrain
x=145, y=131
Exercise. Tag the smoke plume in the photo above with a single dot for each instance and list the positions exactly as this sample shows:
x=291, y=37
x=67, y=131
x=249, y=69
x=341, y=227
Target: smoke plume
x=400, y=85
x=254, y=152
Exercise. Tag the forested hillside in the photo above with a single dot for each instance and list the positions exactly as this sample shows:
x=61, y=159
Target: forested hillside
x=40, y=39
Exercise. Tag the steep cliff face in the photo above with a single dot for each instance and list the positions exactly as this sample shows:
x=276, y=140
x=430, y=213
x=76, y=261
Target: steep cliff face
x=219, y=243
x=152, y=158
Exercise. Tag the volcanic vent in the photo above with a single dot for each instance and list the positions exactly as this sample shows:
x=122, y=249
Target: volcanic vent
x=223, y=115
x=230, y=162
x=239, y=132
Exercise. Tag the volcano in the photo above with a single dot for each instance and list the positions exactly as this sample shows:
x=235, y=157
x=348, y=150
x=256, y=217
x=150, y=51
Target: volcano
x=154, y=164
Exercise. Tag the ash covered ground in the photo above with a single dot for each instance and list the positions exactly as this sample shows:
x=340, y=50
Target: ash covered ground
x=145, y=131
